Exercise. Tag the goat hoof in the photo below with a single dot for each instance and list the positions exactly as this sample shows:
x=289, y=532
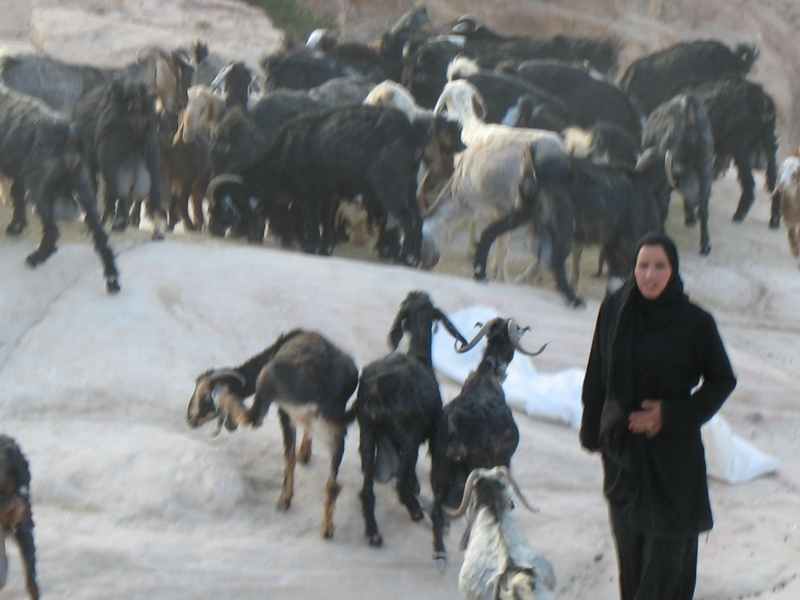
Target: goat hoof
x=15, y=228
x=739, y=216
x=705, y=250
x=690, y=221
x=376, y=541
x=440, y=560
x=283, y=504
x=775, y=222
x=327, y=532
x=119, y=224
x=417, y=515
x=112, y=285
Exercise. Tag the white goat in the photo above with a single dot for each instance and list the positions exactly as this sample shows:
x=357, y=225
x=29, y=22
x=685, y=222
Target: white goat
x=499, y=563
x=486, y=180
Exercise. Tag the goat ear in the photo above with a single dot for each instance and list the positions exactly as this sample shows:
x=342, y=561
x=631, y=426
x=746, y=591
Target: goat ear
x=479, y=106
x=166, y=83
x=396, y=332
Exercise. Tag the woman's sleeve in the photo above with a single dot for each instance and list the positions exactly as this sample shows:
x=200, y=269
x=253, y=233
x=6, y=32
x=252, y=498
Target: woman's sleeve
x=717, y=384
x=593, y=395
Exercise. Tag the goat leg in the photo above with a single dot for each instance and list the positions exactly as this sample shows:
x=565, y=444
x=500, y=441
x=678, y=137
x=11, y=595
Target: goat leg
x=24, y=537
x=332, y=488
x=18, y=220
x=744, y=166
x=367, y=450
x=304, y=454
x=47, y=247
x=290, y=460
x=408, y=481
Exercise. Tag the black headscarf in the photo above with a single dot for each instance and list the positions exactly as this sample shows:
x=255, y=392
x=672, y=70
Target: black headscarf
x=635, y=314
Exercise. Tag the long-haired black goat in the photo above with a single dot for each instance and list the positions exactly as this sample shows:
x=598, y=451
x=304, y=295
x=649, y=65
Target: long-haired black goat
x=476, y=429
x=398, y=406
x=309, y=379
x=15, y=512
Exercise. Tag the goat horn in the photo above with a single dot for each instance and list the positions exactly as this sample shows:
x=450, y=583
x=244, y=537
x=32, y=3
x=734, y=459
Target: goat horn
x=673, y=183
x=450, y=327
x=453, y=514
x=515, y=333
x=483, y=331
x=507, y=474
x=222, y=416
x=220, y=373
x=220, y=179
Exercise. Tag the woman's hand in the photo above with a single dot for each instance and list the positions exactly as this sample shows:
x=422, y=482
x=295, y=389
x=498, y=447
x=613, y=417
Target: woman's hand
x=647, y=420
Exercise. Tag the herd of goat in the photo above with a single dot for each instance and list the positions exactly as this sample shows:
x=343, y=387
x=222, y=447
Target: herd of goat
x=402, y=137
x=332, y=137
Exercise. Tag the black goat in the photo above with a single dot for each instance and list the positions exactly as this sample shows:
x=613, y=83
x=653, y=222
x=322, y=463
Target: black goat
x=655, y=78
x=309, y=379
x=398, y=406
x=476, y=429
x=425, y=69
x=41, y=152
x=681, y=127
x=743, y=125
x=61, y=84
x=118, y=128
x=585, y=203
x=589, y=99
x=234, y=83
x=414, y=24
x=317, y=158
x=491, y=48
x=16, y=517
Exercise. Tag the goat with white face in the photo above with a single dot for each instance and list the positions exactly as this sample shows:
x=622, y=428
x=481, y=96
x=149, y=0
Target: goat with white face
x=499, y=563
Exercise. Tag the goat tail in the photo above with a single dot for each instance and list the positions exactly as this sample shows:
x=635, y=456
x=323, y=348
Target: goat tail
x=747, y=53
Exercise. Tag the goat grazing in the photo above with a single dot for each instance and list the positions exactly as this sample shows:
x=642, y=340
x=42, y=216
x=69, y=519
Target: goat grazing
x=398, y=407
x=16, y=517
x=309, y=379
x=476, y=429
x=499, y=563
x=40, y=151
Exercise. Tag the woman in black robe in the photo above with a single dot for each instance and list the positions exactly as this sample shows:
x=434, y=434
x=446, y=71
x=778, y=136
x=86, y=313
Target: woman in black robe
x=643, y=409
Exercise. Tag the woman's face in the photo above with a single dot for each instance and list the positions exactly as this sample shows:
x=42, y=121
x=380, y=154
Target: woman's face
x=653, y=271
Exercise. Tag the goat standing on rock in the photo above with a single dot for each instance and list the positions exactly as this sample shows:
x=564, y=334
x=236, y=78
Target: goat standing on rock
x=309, y=379
x=476, y=429
x=398, y=407
x=499, y=563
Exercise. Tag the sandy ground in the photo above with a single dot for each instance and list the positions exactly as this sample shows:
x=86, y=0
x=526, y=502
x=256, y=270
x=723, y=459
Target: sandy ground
x=130, y=503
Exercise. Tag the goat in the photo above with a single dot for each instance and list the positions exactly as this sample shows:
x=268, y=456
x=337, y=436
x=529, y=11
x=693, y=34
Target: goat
x=41, y=152
x=476, y=428
x=318, y=157
x=16, y=517
x=309, y=379
x=118, y=128
x=788, y=189
x=341, y=91
x=579, y=201
x=681, y=127
x=491, y=48
x=655, y=78
x=499, y=563
x=502, y=92
x=61, y=84
x=743, y=125
x=398, y=407
x=439, y=155
x=589, y=99
x=487, y=174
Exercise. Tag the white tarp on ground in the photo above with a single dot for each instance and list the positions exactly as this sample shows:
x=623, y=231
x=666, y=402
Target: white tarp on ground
x=557, y=397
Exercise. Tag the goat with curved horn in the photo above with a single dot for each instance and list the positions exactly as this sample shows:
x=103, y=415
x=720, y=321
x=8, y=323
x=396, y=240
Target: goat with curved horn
x=484, y=329
x=514, y=335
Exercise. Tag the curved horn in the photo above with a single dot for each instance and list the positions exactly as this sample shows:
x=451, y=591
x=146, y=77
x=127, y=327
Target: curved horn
x=220, y=373
x=673, y=183
x=515, y=333
x=504, y=470
x=467, y=493
x=483, y=331
x=450, y=327
x=220, y=179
